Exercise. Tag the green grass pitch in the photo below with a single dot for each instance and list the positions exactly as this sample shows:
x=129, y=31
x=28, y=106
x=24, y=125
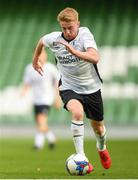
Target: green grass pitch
x=18, y=160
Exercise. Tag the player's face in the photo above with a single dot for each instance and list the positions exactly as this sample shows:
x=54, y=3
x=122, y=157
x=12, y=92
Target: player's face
x=70, y=29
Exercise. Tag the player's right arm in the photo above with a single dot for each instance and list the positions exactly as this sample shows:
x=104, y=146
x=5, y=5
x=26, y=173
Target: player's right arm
x=36, y=61
x=25, y=89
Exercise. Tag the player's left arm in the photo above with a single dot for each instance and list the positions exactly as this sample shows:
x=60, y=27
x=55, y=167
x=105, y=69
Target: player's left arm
x=90, y=55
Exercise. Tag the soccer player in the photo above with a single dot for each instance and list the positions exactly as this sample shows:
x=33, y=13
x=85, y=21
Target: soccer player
x=80, y=84
x=45, y=94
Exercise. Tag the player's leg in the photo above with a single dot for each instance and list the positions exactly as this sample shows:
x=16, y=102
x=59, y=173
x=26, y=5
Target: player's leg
x=100, y=133
x=94, y=111
x=72, y=102
x=42, y=127
x=77, y=126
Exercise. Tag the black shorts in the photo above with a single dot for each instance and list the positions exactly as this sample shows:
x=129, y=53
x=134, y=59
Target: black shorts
x=41, y=109
x=92, y=103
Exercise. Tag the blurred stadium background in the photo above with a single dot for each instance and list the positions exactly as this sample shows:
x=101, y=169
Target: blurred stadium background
x=115, y=27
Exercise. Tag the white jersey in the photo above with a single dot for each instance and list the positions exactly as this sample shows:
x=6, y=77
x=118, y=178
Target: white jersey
x=43, y=87
x=76, y=74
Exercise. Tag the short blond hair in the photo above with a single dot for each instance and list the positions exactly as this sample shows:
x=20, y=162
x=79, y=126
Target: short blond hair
x=67, y=15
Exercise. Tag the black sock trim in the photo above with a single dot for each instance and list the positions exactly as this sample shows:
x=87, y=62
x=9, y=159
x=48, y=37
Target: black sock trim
x=77, y=124
x=77, y=135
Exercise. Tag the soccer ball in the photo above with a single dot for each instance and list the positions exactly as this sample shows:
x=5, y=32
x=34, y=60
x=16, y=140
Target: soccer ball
x=77, y=164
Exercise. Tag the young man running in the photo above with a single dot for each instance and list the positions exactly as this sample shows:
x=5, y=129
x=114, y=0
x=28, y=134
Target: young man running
x=77, y=57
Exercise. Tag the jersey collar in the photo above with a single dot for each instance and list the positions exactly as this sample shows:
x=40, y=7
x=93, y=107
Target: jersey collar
x=67, y=39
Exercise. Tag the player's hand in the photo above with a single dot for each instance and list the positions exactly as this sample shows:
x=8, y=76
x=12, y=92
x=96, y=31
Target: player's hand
x=68, y=46
x=38, y=67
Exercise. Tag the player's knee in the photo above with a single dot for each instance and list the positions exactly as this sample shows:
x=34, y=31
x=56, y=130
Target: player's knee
x=78, y=115
x=99, y=130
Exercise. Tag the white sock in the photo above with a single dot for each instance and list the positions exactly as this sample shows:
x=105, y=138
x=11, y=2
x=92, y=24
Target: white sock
x=39, y=139
x=77, y=128
x=101, y=140
x=50, y=137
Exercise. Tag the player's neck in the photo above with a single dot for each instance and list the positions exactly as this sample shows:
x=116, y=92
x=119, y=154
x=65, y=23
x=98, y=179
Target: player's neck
x=67, y=39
